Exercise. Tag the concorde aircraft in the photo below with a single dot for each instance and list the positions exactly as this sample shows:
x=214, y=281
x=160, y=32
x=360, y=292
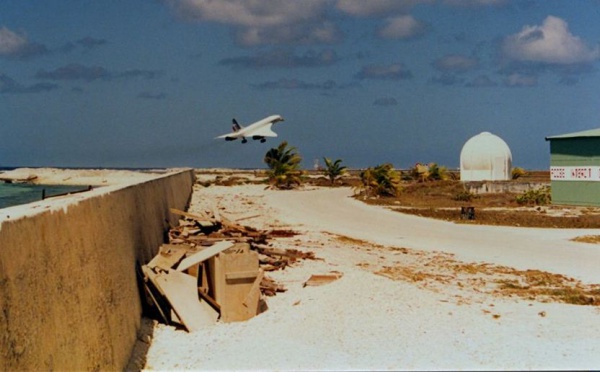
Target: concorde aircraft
x=256, y=131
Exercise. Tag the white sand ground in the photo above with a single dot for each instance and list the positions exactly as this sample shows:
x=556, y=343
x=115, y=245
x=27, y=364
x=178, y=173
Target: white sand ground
x=365, y=321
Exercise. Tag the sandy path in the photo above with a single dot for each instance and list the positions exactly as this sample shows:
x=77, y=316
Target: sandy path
x=523, y=248
x=365, y=321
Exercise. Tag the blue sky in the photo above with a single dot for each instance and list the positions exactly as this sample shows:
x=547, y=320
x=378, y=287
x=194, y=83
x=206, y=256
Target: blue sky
x=150, y=83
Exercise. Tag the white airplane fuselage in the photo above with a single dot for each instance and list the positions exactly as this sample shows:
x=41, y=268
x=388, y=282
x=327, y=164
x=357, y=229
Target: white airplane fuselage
x=257, y=131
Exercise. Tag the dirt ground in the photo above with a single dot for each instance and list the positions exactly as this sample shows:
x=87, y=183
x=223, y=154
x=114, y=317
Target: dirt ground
x=437, y=200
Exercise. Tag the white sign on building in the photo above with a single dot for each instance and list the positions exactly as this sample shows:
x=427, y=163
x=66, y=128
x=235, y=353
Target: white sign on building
x=575, y=173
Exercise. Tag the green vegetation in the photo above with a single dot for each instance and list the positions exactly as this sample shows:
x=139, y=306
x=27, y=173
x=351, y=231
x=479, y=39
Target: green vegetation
x=464, y=195
x=539, y=196
x=430, y=172
x=381, y=180
x=518, y=172
x=334, y=170
x=284, y=167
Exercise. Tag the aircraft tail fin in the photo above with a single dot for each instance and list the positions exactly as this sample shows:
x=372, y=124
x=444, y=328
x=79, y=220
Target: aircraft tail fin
x=235, y=126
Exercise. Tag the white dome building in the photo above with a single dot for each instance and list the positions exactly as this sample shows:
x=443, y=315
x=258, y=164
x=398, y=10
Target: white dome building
x=485, y=157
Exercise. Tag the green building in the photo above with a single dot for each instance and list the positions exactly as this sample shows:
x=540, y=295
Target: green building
x=575, y=168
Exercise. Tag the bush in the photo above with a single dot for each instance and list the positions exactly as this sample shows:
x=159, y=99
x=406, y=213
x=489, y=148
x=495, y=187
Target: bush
x=430, y=172
x=539, y=196
x=464, y=196
x=382, y=180
x=518, y=172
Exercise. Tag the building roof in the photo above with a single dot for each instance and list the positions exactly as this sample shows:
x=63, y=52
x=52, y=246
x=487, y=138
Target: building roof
x=583, y=134
x=482, y=153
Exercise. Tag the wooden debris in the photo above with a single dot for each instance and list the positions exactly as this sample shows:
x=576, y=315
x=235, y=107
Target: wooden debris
x=214, y=268
x=204, y=255
x=253, y=298
x=182, y=292
x=233, y=275
x=282, y=233
x=269, y=287
x=321, y=279
x=168, y=256
x=203, y=220
x=223, y=227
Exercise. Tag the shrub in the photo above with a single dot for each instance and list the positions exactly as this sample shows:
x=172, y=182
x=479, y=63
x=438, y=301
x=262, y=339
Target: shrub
x=381, y=180
x=539, y=196
x=430, y=172
x=464, y=196
x=518, y=172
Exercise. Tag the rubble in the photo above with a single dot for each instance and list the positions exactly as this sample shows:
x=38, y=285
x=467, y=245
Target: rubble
x=213, y=269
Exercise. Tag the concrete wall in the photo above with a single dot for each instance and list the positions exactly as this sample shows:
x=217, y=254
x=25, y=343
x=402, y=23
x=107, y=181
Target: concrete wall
x=497, y=187
x=69, y=298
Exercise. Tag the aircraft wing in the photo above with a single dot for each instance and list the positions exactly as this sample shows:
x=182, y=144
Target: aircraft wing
x=263, y=131
x=230, y=135
x=261, y=128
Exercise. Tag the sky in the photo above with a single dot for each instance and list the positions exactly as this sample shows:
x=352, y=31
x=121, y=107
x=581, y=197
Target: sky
x=151, y=83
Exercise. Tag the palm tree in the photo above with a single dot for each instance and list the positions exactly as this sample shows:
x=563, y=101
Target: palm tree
x=518, y=172
x=429, y=172
x=334, y=170
x=284, y=167
x=437, y=173
x=382, y=180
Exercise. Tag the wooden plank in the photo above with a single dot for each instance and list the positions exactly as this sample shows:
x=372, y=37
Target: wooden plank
x=320, y=279
x=168, y=256
x=151, y=275
x=208, y=241
x=247, y=217
x=251, y=301
x=182, y=293
x=230, y=294
x=204, y=255
x=148, y=275
x=211, y=301
x=241, y=275
x=200, y=218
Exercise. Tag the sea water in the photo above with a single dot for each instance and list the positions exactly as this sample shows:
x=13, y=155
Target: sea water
x=12, y=194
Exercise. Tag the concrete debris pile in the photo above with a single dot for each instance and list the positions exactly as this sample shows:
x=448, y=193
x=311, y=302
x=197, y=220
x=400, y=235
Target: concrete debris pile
x=213, y=269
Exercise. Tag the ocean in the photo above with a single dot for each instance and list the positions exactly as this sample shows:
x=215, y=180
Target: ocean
x=12, y=194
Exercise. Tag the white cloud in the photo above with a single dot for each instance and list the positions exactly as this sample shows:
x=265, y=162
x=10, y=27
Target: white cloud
x=455, y=63
x=11, y=43
x=265, y=21
x=363, y=8
x=549, y=43
x=323, y=33
x=395, y=71
x=518, y=80
x=401, y=27
x=250, y=13
x=475, y=3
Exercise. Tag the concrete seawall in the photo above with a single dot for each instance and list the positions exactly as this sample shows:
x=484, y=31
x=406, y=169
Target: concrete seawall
x=69, y=298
